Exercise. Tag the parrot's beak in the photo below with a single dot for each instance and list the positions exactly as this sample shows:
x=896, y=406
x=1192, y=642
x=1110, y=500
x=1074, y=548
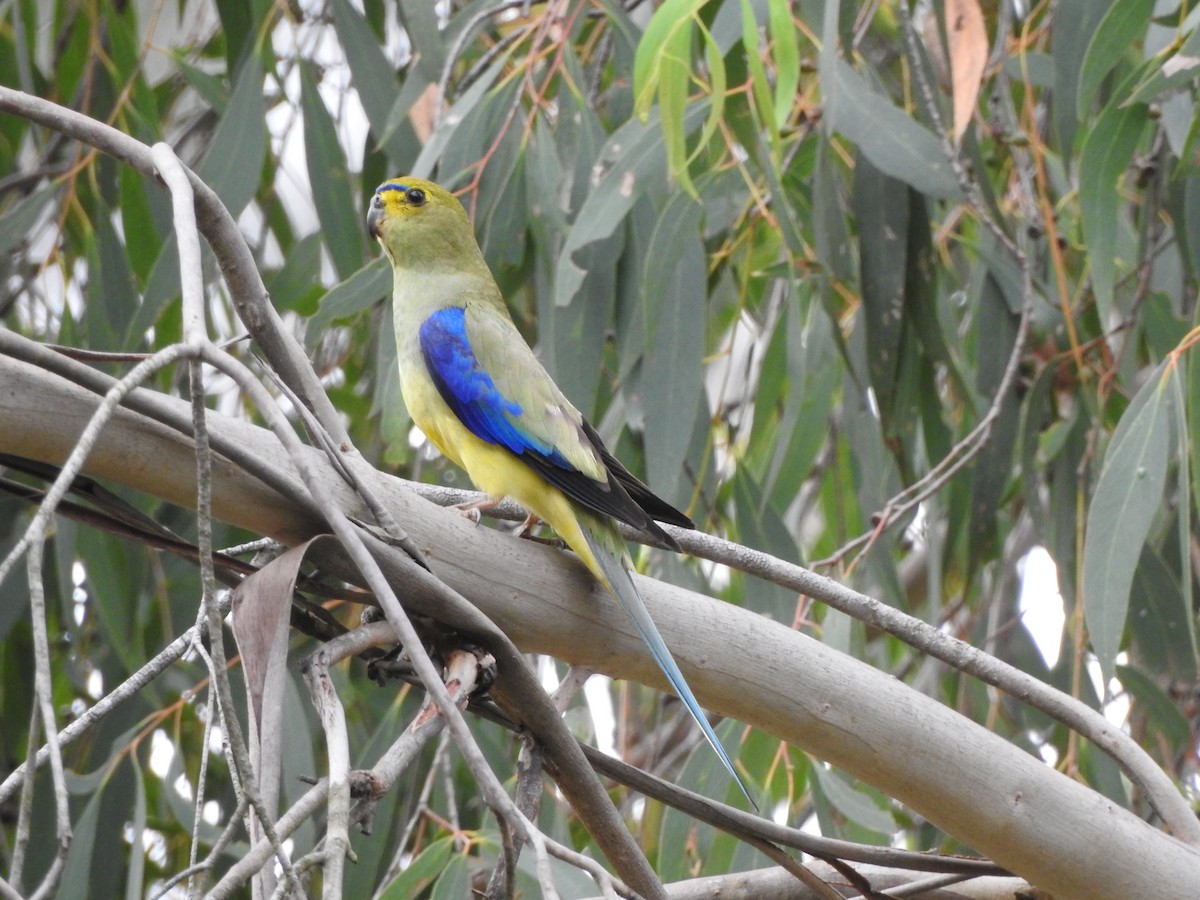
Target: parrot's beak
x=374, y=217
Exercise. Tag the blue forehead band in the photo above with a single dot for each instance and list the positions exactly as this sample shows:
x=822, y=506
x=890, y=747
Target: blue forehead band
x=391, y=187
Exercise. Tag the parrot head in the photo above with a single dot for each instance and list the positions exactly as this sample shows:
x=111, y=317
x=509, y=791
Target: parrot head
x=420, y=224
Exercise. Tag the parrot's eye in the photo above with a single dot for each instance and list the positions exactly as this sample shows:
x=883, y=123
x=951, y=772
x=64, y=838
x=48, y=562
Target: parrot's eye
x=415, y=196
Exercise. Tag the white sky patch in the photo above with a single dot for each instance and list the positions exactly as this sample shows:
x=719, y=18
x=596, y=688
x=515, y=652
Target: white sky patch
x=216, y=740
x=183, y=788
x=1041, y=604
x=94, y=685
x=1112, y=695
x=548, y=674
x=162, y=753
x=211, y=814
x=718, y=575
x=79, y=594
x=598, y=691
x=1048, y=752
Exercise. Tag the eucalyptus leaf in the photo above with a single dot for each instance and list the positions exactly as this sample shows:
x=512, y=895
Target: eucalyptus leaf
x=1122, y=24
x=233, y=164
x=1107, y=151
x=1124, y=506
x=894, y=142
x=333, y=196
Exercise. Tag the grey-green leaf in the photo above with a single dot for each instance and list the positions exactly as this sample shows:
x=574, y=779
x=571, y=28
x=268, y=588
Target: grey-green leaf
x=894, y=141
x=1106, y=153
x=333, y=195
x=233, y=164
x=674, y=368
x=361, y=290
x=1124, y=23
x=1128, y=497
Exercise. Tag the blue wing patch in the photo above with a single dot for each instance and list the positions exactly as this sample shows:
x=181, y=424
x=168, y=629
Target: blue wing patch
x=469, y=391
x=467, y=388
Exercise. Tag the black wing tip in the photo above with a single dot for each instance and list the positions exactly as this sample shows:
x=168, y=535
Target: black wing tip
x=668, y=514
x=660, y=534
x=654, y=506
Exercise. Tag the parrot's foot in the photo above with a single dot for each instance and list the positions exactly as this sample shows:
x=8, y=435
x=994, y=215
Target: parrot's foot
x=474, y=509
x=525, y=531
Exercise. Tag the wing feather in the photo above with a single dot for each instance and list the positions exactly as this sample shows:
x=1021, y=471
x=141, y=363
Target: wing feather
x=520, y=408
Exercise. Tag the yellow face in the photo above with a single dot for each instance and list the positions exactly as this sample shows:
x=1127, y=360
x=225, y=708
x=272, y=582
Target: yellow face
x=417, y=220
x=404, y=198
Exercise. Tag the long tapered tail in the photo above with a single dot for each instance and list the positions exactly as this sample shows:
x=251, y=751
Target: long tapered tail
x=620, y=582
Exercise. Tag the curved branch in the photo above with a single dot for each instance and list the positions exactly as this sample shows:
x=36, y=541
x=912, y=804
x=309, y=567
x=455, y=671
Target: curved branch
x=237, y=264
x=971, y=783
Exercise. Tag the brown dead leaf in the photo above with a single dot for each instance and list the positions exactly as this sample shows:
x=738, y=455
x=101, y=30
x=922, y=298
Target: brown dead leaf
x=262, y=606
x=968, y=43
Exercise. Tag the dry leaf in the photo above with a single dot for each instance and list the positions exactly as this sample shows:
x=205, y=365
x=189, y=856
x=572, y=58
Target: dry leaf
x=968, y=41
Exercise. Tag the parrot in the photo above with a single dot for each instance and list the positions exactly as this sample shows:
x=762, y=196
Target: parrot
x=478, y=392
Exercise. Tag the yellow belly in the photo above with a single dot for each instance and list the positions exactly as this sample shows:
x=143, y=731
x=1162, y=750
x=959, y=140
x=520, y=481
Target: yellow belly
x=498, y=473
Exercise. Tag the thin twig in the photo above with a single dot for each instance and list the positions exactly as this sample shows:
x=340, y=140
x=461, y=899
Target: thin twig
x=263, y=806
x=336, y=841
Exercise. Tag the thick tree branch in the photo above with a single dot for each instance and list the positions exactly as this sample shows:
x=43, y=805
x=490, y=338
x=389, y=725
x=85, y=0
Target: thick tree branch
x=975, y=785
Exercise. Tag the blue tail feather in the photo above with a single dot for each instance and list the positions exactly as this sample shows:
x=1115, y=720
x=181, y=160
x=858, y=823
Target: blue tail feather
x=620, y=580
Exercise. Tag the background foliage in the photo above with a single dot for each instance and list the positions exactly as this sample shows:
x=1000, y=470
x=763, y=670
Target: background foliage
x=747, y=244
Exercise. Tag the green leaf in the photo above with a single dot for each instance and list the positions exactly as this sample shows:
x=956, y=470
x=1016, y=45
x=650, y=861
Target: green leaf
x=663, y=67
x=1127, y=499
x=1160, y=709
x=125, y=53
x=787, y=61
x=993, y=470
x=673, y=59
x=1180, y=69
x=716, y=96
x=421, y=872
x=233, y=164
x=455, y=880
x=1075, y=22
x=17, y=223
x=363, y=289
x=894, y=142
x=881, y=207
x=143, y=240
x=388, y=402
x=675, y=232
x=238, y=20
x=297, y=285
x=333, y=194
x=452, y=121
x=1178, y=406
x=135, y=875
x=759, y=83
x=161, y=287
x=1106, y=153
x=78, y=873
x=112, y=289
x=421, y=23
x=673, y=375
x=1160, y=624
x=1123, y=24
x=373, y=75
x=635, y=165
x=74, y=57
x=855, y=805
x=665, y=43
x=760, y=527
